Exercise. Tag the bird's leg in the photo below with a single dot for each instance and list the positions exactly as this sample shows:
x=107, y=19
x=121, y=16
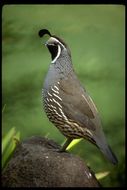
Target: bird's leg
x=65, y=145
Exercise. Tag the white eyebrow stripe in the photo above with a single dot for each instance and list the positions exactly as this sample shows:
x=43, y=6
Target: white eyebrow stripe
x=58, y=42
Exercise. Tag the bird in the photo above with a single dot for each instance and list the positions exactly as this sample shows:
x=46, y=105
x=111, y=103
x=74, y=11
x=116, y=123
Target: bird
x=67, y=103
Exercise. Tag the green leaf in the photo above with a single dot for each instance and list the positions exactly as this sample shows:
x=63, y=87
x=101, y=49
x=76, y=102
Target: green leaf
x=6, y=139
x=8, y=145
x=73, y=143
x=101, y=175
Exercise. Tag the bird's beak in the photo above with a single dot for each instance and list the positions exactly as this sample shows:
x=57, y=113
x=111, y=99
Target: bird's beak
x=45, y=43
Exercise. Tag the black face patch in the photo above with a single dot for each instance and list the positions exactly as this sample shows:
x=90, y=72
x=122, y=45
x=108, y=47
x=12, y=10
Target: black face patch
x=53, y=50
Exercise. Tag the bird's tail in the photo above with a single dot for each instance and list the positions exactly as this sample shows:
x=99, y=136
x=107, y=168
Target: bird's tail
x=106, y=149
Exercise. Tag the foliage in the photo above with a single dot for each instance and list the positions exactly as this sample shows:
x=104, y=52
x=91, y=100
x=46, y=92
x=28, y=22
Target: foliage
x=9, y=142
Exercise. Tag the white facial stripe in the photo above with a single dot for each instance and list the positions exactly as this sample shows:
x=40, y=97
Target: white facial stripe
x=52, y=38
x=58, y=54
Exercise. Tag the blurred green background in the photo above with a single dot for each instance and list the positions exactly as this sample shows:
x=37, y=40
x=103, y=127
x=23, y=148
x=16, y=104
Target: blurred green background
x=96, y=37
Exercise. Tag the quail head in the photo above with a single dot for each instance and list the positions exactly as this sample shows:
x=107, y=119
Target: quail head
x=66, y=103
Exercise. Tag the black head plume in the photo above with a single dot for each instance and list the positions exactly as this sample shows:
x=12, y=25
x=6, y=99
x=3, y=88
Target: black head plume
x=42, y=32
x=53, y=49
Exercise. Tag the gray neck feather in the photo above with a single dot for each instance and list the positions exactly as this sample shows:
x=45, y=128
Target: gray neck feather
x=58, y=70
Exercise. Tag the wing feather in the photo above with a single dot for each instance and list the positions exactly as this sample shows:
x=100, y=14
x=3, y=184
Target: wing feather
x=77, y=104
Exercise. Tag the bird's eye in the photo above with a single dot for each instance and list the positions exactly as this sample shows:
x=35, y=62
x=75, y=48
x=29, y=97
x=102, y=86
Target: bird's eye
x=55, y=43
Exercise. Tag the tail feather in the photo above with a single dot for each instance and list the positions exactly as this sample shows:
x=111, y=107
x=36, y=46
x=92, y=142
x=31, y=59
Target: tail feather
x=107, y=151
x=105, y=148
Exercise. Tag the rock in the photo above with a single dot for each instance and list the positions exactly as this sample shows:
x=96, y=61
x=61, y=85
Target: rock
x=37, y=162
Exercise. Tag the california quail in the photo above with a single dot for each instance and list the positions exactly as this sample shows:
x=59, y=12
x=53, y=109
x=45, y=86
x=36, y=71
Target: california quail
x=66, y=103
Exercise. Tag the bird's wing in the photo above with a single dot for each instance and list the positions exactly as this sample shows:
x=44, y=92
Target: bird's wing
x=77, y=104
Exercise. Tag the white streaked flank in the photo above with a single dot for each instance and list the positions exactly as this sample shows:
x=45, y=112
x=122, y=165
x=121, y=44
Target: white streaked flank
x=48, y=105
x=53, y=106
x=57, y=113
x=49, y=109
x=57, y=103
x=57, y=96
x=49, y=94
x=47, y=99
x=89, y=132
x=63, y=114
x=56, y=87
x=56, y=91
